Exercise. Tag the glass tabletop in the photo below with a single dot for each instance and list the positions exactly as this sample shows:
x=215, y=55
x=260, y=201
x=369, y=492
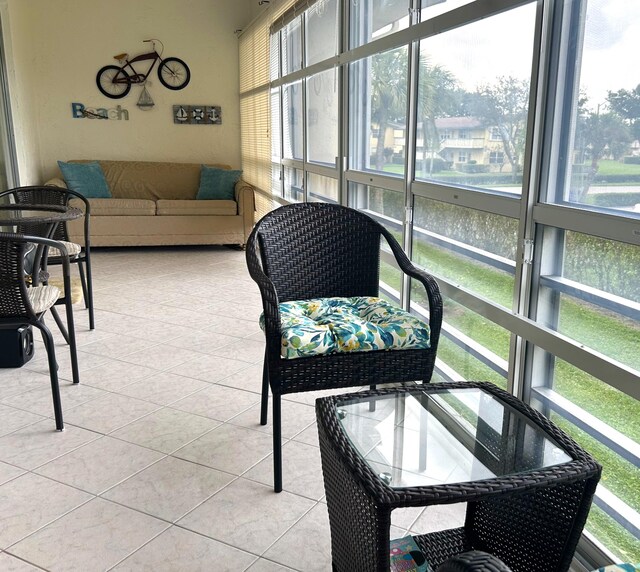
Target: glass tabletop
x=445, y=436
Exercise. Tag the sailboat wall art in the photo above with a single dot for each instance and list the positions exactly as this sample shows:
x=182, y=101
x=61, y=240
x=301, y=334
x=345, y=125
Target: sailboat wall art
x=197, y=114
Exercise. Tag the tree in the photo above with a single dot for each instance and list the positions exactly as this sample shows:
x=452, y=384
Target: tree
x=436, y=98
x=598, y=135
x=627, y=105
x=505, y=105
x=388, y=94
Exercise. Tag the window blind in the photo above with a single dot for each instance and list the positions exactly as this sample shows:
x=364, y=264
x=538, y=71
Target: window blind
x=255, y=130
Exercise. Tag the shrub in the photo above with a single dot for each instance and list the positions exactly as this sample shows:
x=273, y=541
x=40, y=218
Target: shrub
x=631, y=160
x=472, y=167
x=614, y=200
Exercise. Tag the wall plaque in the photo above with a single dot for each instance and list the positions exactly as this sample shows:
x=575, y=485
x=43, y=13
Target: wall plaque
x=197, y=114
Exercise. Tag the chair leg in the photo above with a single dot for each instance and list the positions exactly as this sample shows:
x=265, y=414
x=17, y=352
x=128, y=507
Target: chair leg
x=265, y=393
x=87, y=290
x=61, y=326
x=72, y=341
x=277, y=443
x=83, y=282
x=53, y=374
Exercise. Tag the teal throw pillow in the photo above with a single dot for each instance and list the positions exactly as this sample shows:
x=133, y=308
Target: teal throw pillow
x=218, y=183
x=86, y=179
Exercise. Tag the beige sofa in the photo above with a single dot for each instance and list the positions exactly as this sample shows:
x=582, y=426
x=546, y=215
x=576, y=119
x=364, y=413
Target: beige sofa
x=155, y=204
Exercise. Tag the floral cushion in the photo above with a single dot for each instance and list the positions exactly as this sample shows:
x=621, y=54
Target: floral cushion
x=358, y=324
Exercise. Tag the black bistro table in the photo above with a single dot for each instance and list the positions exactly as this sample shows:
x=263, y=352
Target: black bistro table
x=38, y=220
x=527, y=485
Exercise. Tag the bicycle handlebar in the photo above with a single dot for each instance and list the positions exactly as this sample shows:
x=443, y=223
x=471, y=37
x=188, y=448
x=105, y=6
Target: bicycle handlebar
x=153, y=42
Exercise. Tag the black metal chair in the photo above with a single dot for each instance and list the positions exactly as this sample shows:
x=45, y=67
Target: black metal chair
x=21, y=304
x=78, y=254
x=315, y=250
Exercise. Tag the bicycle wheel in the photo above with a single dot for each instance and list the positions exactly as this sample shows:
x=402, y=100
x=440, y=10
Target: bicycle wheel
x=113, y=82
x=173, y=73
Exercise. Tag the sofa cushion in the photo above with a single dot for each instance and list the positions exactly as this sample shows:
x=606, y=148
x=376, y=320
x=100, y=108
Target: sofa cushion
x=217, y=183
x=122, y=207
x=85, y=178
x=165, y=207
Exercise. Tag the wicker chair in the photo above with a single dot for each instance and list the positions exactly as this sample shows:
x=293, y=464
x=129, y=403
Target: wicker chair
x=315, y=250
x=51, y=195
x=20, y=304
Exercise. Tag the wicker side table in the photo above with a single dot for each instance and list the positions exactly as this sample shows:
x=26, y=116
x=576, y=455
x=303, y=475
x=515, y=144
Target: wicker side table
x=527, y=485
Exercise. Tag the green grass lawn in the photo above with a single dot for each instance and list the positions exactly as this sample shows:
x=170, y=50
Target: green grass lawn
x=603, y=331
x=608, y=167
x=605, y=167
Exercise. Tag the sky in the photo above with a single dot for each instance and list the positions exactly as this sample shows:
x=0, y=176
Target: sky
x=502, y=46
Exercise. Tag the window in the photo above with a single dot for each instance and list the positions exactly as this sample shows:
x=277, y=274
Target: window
x=377, y=103
x=494, y=134
x=471, y=78
x=372, y=19
x=595, y=162
x=505, y=157
x=322, y=117
x=292, y=46
x=321, y=189
x=293, y=124
x=321, y=31
x=446, y=134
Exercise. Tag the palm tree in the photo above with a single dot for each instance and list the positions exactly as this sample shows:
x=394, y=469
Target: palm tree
x=436, y=98
x=388, y=94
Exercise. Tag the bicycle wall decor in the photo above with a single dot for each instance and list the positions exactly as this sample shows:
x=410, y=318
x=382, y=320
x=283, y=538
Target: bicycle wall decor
x=116, y=81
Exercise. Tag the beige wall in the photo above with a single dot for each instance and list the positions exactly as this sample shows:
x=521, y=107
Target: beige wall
x=55, y=49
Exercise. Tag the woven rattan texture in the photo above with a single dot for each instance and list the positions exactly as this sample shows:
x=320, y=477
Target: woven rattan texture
x=474, y=561
x=313, y=250
x=45, y=195
x=532, y=521
x=13, y=287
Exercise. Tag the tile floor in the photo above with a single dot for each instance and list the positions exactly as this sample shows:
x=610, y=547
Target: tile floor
x=163, y=464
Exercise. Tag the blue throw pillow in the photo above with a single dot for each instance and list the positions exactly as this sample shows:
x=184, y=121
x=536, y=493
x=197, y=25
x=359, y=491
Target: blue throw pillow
x=218, y=183
x=86, y=179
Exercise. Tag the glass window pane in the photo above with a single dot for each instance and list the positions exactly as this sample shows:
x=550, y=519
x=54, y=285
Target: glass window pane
x=292, y=46
x=377, y=201
x=589, y=291
x=322, y=117
x=292, y=121
x=390, y=281
x=378, y=107
x=372, y=19
x=432, y=8
x=276, y=127
x=274, y=56
x=620, y=475
x=472, y=248
x=321, y=189
x=600, y=125
x=276, y=179
x=470, y=347
x=293, y=184
x=322, y=31
x=473, y=102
